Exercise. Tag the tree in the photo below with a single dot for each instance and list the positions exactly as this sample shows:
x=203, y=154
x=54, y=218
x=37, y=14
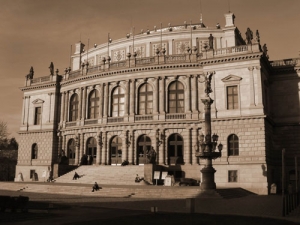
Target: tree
x=13, y=144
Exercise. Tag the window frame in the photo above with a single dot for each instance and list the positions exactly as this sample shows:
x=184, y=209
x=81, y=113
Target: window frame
x=235, y=151
x=119, y=103
x=176, y=100
x=236, y=105
x=233, y=176
x=34, y=151
x=37, y=115
x=74, y=107
x=147, y=94
x=93, y=109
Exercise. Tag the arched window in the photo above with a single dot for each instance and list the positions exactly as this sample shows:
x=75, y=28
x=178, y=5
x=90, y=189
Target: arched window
x=34, y=151
x=175, y=149
x=118, y=100
x=74, y=107
x=93, y=105
x=71, y=150
x=176, y=97
x=233, y=145
x=145, y=99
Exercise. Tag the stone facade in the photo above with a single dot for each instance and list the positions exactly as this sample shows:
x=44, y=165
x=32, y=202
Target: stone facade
x=115, y=108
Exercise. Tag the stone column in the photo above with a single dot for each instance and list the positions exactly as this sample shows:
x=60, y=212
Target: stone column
x=78, y=149
x=98, y=156
x=252, y=88
x=194, y=96
x=259, y=86
x=84, y=102
x=59, y=146
x=67, y=103
x=187, y=98
x=64, y=143
x=155, y=99
x=106, y=150
x=103, y=156
x=162, y=98
x=62, y=106
x=50, y=106
x=127, y=99
x=132, y=103
x=189, y=141
x=82, y=146
x=23, y=110
x=100, y=102
x=80, y=104
x=130, y=149
x=124, y=147
x=105, y=101
x=194, y=144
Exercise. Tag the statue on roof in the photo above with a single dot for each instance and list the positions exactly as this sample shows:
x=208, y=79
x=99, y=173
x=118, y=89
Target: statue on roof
x=30, y=75
x=257, y=36
x=265, y=50
x=211, y=41
x=51, y=67
x=249, y=36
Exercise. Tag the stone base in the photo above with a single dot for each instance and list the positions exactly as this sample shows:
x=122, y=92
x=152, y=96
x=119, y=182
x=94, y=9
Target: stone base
x=208, y=178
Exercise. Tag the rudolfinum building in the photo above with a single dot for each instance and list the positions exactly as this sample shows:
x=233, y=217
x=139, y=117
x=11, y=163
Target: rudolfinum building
x=121, y=98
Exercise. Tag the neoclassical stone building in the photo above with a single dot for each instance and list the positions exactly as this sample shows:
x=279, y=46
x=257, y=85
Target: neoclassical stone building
x=119, y=99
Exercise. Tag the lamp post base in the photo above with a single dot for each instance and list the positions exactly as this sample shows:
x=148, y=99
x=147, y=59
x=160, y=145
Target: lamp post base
x=208, y=178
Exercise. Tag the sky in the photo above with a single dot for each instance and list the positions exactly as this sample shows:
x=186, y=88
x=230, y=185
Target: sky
x=38, y=32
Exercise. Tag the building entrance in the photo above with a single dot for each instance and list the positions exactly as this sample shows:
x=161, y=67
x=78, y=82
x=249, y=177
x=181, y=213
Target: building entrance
x=175, y=149
x=91, y=150
x=116, y=151
x=144, y=145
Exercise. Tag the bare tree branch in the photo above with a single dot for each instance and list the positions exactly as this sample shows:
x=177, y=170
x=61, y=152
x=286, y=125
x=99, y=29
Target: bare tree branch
x=3, y=130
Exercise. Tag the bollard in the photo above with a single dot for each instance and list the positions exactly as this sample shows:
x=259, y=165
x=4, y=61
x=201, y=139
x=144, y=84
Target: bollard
x=190, y=205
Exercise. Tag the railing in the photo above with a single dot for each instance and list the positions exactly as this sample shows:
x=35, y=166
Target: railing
x=230, y=50
x=91, y=121
x=142, y=61
x=75, y=74
x=40, y=79
x=115, y=119
x=175, y=116
x=70, y=124
x=118, y=64
x=285, y=62
x=175, y=58
x=143, y=117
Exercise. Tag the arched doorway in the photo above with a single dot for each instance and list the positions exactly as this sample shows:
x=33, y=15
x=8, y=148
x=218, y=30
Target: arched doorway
x=143, y=146
x=175, y=149
x=71, y=151
x=91, y=150
x=116, y=151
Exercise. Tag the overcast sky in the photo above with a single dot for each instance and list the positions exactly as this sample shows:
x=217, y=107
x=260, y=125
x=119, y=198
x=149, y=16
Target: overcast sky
x=37, y=32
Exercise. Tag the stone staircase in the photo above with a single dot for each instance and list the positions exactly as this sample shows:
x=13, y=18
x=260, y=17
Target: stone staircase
x=116, y=175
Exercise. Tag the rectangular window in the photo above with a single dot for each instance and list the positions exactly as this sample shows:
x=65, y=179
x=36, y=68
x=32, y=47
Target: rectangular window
x=32, y=172
x=232, y=97
x=37, y=115
x=232, y=176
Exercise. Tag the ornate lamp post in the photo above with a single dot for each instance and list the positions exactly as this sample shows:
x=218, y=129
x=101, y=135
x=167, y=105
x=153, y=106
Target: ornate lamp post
x=207, y=143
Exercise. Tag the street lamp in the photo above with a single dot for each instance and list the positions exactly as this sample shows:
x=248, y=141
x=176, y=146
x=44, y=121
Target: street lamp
x=208, y=143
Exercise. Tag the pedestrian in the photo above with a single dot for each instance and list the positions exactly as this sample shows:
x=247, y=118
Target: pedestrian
x=95, y=187
x=76, y=176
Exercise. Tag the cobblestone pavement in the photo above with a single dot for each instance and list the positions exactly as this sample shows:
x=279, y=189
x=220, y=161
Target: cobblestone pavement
x=67, y=208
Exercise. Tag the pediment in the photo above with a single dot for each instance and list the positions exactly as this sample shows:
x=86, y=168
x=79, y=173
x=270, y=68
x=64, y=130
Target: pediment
x=231, y=78
x=38, y=101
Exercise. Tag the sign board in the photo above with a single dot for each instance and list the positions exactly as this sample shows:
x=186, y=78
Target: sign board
x=163, y=175
x=168, y=181
x=156, y=175
x=44, y=173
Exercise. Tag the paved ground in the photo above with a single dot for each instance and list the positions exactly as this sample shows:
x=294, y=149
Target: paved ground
x=73, y=209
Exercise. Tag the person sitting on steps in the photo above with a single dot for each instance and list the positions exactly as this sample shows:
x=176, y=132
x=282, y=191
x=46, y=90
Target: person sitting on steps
x=76, y=176
x=95, y=187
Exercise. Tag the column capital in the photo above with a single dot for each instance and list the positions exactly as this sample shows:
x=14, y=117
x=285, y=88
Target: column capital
x=251, y=68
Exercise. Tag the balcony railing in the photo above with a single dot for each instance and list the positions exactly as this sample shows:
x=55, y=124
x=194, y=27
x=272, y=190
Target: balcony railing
x=115, y=119
x=70, y=124
x=175, y=116
x=143, y=117
x=285, y=62
x=91, y=121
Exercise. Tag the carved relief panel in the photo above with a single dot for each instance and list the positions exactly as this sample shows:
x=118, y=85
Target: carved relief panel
x=118, y=55
x=202, y=43
x=180, y=47
x=158, y=45
x=140, y=51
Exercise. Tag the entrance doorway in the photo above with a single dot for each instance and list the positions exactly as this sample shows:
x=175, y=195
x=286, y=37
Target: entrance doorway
x=116, y=151
x=71, y=150
x=143, y=146
x=175, y=149
x=91, y=150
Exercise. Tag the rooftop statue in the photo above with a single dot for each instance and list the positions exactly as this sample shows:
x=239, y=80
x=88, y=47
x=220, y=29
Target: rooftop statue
x=257, y=36
x=30, y=75
x=249, y=36
x=211, y=41
x=51, y=67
